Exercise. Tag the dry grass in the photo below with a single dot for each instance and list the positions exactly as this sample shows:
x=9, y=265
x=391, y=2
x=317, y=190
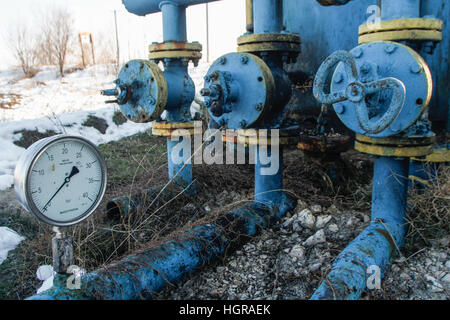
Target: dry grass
x=429, y=212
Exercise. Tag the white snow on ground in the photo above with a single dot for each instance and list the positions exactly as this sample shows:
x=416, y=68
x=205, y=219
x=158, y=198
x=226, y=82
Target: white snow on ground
x=62, y=105
x=9, y=239
x=45, y=273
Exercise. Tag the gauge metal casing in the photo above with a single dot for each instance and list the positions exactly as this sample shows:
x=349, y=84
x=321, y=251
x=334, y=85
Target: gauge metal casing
x=26, y=163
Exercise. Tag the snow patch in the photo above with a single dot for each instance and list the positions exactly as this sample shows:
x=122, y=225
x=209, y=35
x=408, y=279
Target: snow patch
x=9, y=240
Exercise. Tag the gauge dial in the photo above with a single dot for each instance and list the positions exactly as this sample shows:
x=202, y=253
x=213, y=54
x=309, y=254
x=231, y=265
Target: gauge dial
x=61, y=179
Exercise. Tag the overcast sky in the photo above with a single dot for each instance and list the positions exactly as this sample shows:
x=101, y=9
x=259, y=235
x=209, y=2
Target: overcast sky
x=226, y=23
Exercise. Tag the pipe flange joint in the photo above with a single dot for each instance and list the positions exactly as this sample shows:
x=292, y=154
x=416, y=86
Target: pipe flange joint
x=172, y=129
x=191, y=51
x=440, y=154
x=287, y=44
x=262, y=137
x=411, y=29
x=396, y=146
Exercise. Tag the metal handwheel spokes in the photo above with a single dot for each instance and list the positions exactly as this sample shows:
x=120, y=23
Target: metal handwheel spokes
x=395, y=107
x=356, y=92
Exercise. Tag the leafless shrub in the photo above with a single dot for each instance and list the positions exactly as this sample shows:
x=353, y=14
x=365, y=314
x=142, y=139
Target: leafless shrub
x=105, y=48
x=56, y=29
x=21, y=42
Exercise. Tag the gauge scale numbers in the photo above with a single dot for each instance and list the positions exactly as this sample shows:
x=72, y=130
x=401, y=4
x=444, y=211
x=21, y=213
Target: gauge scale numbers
x=66, y=180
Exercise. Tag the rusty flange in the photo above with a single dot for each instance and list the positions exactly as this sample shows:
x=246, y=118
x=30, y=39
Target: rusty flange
x=263, y=137
x=172, y=129
x=175, y=50
x=395, y=146
x=441, y=154
x=316, y=144
x=270, y=42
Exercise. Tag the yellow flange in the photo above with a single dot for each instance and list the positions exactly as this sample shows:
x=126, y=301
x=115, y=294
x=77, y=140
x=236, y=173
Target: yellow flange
x=173, y=129
x=441, y=155
x=315, y=144
x=175, y=50
x=269, y=42
x=395, y=146
x=401, y=29
x=174, y=55
x=172, y=45
x=268, y=37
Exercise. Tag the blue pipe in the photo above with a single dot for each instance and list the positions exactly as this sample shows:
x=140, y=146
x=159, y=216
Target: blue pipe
x=400, y=9
x=174, y=21
x=181, y=90
x=142, y=274
x=268, y=188
x=179, y=171
x=379, y=242
x=267, y=16
x=144, y=7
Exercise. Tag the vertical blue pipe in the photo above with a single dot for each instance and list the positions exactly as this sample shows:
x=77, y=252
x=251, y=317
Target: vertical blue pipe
x=400, y=9
x=378, y=243
x=182, y=176
x=389, y=193
x=181, y=88
x=267, y=16
x=268, y=187
x=174, y=21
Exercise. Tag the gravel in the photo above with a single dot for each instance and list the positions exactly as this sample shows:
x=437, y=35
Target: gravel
x=289, y=260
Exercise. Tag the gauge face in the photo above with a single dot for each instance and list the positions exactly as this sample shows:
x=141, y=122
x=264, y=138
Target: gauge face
x=65, y=179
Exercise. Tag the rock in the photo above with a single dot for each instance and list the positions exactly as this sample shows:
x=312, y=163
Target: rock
x=332, y=209
x=300, y=205
x=296, y=227
x=316, y=208
x=366, y=218
x=306, y=218
x=333, y=228
x=405, y=276
x=445, y=242
x=297, y=252
x=318, y=237
x=289, y=221
x=434, y=285
x=349, y=222
x=315, y=266
x=447, y=264
x=322, y=220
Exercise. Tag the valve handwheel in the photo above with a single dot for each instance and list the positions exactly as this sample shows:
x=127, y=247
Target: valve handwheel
x=378, y=89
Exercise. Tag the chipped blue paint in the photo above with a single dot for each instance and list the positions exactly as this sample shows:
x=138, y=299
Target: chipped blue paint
x=140, y=275
x=179, y=171
x=379, y=242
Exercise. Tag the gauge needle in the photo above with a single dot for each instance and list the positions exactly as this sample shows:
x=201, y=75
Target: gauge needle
x=66, y=180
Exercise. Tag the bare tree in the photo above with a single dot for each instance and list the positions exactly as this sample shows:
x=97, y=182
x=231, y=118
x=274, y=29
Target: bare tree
x=21, y=43
x=56, y=35
x=44, y=49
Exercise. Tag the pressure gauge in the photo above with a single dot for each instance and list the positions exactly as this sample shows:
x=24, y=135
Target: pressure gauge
x=61, y=179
